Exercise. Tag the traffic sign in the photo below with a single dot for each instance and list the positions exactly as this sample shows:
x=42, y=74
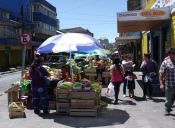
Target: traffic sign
x=25, y=39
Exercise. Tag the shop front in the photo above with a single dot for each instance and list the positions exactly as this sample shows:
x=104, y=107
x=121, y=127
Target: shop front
x=154, y=24
x=130, y=44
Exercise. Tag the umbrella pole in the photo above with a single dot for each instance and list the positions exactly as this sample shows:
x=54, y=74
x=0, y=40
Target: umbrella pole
x=70, y=64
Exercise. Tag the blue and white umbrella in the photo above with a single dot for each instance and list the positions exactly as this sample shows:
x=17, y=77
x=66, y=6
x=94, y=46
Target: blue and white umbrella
x=69, y=42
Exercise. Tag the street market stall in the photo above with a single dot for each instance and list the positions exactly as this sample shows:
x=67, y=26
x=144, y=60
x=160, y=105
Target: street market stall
x=71, y=89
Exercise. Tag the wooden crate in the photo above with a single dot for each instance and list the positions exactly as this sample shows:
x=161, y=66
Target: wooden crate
x=62, y=108
x=62, y=93
x=13, y=94
x=83, y=112
x=91, y=75
x=58, y=91
x=52, y=105
x=77, y=103
x=17, y=110
x=82, y=95
x=62, y=100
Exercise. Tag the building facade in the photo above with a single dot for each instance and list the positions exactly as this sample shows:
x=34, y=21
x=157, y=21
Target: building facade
x=38, y=18
x=133, y=5
x=155, y=21
x=158, y=40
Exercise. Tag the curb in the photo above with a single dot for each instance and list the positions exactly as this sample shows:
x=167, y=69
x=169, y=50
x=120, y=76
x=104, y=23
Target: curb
x=7, y=72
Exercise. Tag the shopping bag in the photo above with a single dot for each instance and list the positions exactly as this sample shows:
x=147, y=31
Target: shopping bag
x=145, y=79
x=110, y=90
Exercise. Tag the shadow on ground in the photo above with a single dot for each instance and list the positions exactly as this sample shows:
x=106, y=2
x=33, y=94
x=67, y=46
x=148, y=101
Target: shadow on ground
x=128, y=102
x=107, y=117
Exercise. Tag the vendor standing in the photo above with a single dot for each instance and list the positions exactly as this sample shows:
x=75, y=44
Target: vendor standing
x=39, y=88
x=99, y=67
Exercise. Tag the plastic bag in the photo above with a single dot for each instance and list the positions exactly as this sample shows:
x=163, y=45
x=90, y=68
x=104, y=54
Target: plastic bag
x=145, y=79
x=110, y=90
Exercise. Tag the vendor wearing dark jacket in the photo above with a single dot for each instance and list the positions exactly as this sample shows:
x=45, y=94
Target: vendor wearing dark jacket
x=39, y=88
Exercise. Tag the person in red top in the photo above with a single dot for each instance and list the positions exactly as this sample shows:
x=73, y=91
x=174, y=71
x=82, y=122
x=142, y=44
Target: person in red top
x=117, y=74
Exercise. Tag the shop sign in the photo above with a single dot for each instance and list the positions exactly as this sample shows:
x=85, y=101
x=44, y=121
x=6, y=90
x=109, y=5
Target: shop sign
x=152, y=13
x=145, y=15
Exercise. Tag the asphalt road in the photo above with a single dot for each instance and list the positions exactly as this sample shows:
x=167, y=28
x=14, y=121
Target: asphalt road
x=7, y=79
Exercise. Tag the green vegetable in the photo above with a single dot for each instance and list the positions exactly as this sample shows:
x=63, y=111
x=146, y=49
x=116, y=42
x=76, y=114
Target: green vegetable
x=77, y=84
x=66, y=85
x=95, y=86
x=24, y=85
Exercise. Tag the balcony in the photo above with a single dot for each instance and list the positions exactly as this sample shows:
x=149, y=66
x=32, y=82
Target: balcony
x=43, y=31
x=37, y=16
x=45, y=3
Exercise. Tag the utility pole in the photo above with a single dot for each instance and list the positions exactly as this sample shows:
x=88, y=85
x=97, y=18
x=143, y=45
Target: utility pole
x=21, y=20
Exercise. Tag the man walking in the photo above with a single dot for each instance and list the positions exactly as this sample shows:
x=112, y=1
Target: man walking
x=167, y=79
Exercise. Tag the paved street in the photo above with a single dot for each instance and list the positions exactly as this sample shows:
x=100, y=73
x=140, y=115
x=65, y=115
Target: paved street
x=7, y=79
x=130, y=113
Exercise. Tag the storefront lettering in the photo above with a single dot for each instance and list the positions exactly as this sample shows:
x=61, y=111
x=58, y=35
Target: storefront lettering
x=127, y=14
x=152, y=13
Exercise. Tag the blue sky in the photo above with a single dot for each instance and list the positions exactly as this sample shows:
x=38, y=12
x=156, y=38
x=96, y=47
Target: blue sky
x=99, y=16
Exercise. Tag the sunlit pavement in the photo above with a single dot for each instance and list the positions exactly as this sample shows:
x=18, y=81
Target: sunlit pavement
x=130, y=113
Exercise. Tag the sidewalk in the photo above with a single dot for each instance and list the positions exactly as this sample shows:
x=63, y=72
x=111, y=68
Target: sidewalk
x=130, y=113
x=9, y=70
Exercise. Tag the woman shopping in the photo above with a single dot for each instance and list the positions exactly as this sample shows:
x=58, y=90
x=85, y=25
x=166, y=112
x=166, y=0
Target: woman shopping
x=117, y=74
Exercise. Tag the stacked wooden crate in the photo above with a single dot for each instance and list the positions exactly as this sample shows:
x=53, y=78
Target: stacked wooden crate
x=16, y=109
x=13, y=93
x=62, y=101
x=83, y=103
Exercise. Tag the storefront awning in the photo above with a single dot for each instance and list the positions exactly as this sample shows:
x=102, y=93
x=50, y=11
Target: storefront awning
x=142, y=20
x=127, y=39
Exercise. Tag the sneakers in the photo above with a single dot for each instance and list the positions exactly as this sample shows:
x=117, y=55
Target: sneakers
x=115, y=102
x=167, y=112
x=46, y=111
x=124, y=95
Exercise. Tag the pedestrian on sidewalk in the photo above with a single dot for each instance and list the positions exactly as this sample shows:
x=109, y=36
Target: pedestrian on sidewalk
x=167, y=80
x=39, y=88
x=128, y=66
x=149, y=68
x=117, y=74
x=130, y=82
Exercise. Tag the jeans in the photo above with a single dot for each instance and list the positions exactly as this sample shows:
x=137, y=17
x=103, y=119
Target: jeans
x=124, y=87
x=40, y=98
x=170, y=97
x=116, y=89
x=150, y=88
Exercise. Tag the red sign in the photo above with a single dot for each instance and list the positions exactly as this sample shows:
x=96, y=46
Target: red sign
x=25, y=38
x=152, y=13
